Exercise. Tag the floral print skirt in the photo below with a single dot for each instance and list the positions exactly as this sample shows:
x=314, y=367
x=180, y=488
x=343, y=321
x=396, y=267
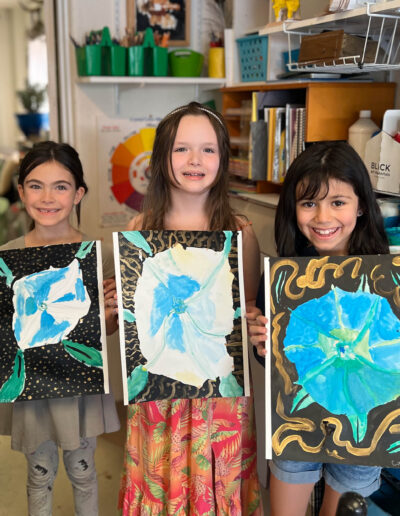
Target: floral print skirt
x=190, y=457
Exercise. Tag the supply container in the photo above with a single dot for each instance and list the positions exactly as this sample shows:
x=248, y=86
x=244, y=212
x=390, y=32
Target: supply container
x=216, y=62
x=253, y=52
x=361, y=131
x=185, y=63
x=104, y=58
x=148, y=59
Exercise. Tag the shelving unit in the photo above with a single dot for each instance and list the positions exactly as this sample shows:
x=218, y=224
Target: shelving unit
x=379, y=22
x=331, y=106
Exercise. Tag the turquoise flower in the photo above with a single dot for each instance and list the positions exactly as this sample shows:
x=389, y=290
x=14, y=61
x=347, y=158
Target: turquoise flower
x=346, y=349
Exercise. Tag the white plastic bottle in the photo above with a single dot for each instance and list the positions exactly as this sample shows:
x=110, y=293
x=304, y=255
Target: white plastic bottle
x=361, y=131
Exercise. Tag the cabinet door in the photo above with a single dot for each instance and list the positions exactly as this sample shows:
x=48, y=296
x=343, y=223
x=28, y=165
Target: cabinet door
x=333, y=107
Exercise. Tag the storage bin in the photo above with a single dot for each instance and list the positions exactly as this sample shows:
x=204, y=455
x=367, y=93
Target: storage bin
x=88, y=60
x=285, y=58
x=147, y=59
x=253, y=57
x=105, y=58
x=185, y=63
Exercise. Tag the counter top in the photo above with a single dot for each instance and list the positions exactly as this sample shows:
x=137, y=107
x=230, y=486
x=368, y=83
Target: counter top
x=265, y=199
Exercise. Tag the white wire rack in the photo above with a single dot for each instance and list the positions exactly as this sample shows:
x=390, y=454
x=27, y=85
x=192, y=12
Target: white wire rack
x=383, y=28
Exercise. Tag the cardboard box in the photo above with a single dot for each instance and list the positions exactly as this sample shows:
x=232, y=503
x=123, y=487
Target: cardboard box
x=328, y=46
x=313, y=8
x=382, y=159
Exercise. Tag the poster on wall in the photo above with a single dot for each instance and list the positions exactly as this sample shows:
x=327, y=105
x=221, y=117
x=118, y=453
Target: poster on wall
x=124, y=148
x=181, y=310
x=334, y=382
x=52, y=330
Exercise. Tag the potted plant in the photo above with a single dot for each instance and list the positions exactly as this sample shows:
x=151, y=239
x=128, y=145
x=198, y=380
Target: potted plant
x=32, y=122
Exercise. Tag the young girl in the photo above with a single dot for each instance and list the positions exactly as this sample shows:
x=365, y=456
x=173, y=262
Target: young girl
x=192, y=456
x=327, y=207
x=51, y=184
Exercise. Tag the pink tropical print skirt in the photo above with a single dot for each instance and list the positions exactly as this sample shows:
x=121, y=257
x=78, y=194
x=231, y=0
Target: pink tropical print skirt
x=190, y=457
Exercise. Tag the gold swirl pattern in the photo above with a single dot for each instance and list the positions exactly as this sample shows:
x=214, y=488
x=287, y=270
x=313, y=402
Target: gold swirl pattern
x=294, y=288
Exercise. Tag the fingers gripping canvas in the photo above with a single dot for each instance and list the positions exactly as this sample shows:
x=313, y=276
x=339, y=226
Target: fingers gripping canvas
x=335, y=359
x=52, y=335
x=181, y=308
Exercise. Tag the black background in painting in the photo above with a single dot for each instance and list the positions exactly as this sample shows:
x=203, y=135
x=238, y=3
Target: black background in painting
x=50, y=371
x=377, y=271
x=158, y=386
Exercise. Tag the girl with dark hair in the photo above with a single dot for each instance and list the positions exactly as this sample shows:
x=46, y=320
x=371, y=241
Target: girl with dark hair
x=327, y=207
x=192, y=456
x=51, y=185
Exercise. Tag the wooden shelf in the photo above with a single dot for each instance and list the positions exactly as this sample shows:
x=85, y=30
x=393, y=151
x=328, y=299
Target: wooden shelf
x=331, y=106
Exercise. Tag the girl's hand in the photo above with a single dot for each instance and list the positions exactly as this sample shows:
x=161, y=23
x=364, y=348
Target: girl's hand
x=110, y=305
x=256, y=323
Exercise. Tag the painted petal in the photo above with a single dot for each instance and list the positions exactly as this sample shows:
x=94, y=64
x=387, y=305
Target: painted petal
x=182, y=320
x=349, y=362
x=61, y=301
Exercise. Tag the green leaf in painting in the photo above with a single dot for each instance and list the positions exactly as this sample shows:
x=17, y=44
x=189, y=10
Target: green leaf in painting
x=137, y=381
x=15, y=384
x=87, y=355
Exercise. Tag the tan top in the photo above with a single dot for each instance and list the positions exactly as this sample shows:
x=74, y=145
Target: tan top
x=63, y=420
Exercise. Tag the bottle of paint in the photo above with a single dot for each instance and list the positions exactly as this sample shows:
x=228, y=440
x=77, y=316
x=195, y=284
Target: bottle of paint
x=361, y=131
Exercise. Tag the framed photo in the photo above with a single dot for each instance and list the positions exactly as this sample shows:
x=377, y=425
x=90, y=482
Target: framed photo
x=162, y=16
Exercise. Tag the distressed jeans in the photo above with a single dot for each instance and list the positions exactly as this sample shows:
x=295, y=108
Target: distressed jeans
x=80, y=468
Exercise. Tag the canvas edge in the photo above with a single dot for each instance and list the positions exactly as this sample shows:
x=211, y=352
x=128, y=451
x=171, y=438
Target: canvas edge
x=103, y=333
x=245, y=347
x=268, y=414
x=121, y=328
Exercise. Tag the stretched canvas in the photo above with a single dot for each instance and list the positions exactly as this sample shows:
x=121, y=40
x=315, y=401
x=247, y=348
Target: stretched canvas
x=181, y=314
x=334, y=370
x=52, y=332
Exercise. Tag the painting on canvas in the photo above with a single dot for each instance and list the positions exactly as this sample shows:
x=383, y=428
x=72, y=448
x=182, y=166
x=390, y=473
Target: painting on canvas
x=52, y=334
x=335, y=358
x=181, y=309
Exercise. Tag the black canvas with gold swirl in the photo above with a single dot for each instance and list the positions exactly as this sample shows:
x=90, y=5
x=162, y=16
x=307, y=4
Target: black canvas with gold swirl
x=335, y=359
x=131, y=260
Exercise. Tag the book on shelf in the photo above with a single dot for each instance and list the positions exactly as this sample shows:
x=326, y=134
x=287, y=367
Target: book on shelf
x=242, y=186
x=239, y=166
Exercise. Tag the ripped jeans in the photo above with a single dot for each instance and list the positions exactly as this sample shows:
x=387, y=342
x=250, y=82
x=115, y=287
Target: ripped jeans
x=80, y=468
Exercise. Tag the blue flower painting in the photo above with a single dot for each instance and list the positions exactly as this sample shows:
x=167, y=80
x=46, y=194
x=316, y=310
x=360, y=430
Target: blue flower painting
x=48, y=305
x=336, y=358
x=346, y=349
x=44, y=316
x=183, y=314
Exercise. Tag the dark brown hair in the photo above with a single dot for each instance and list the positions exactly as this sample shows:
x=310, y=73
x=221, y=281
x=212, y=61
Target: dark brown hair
x=312, y=170
x=62, y=153
x=158, y=198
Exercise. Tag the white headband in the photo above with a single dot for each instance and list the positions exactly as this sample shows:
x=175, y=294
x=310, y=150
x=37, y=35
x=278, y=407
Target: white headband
x=202, y=108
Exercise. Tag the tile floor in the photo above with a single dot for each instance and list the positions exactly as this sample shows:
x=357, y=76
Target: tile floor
x=109, y=457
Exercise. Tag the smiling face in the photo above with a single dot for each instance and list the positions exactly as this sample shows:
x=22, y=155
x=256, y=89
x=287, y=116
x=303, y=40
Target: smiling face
x=49, y=194
x=328, y=220
x=195, y=155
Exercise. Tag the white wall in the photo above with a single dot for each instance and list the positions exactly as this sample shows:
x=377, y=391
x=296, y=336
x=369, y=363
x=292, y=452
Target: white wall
x=13, y=61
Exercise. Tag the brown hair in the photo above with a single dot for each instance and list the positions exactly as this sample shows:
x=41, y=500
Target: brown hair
x=158, y=199
x=62, y=153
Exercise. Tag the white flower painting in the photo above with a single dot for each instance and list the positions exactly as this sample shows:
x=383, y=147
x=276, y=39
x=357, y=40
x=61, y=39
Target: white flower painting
x=180, y=320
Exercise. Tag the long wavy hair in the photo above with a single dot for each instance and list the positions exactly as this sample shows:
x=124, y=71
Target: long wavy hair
x=62, y=153
x=311, y=171
x=157, y=201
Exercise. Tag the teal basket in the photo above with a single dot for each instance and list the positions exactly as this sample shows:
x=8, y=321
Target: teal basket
x=253, y=57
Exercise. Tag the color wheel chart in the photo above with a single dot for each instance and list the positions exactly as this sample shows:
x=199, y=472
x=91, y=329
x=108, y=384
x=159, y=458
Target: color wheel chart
x=130, y=168
x=125, y=146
